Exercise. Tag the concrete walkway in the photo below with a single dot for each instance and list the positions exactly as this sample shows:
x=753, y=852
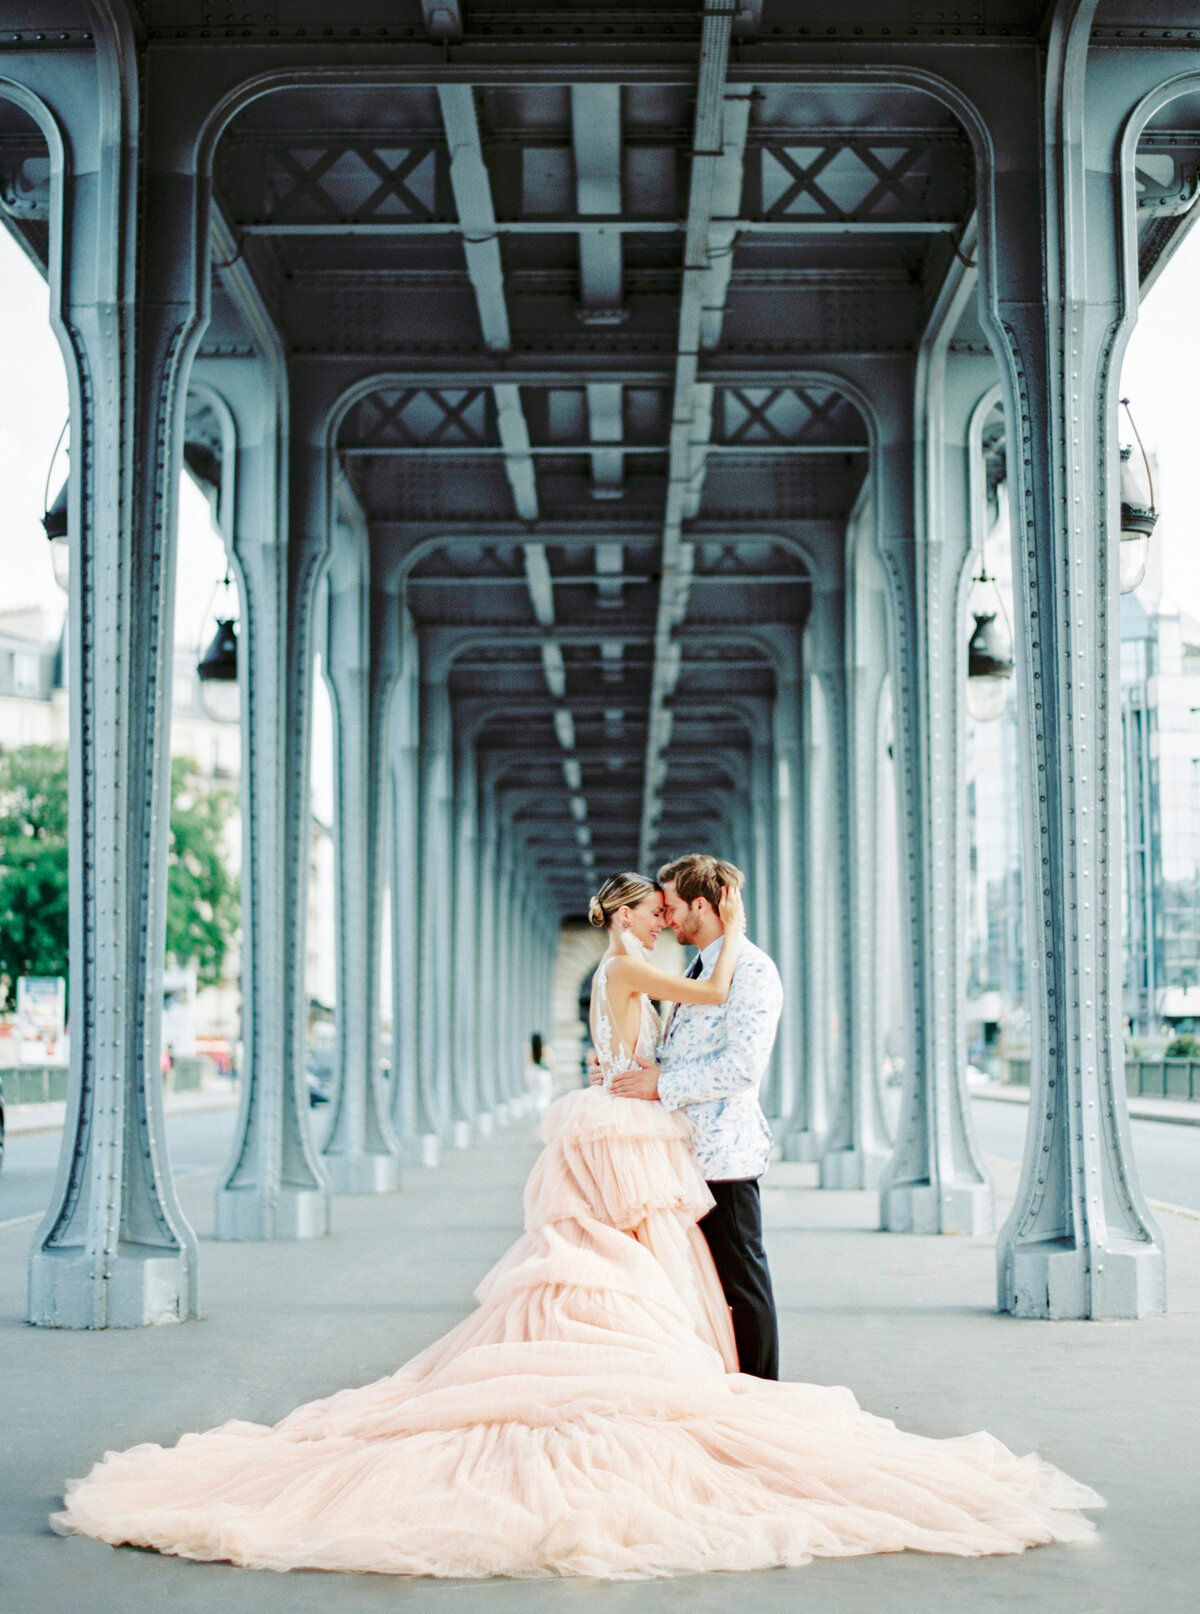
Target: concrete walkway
x=907, y=1322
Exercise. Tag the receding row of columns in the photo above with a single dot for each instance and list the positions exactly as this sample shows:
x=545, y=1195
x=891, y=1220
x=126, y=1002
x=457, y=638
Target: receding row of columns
x=129, y=153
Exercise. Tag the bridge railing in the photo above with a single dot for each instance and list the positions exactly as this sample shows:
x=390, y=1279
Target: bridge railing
x=1144, y=1078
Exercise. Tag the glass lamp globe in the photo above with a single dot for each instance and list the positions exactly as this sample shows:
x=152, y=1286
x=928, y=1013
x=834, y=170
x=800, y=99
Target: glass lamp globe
x=989, y=668
x=60, y=560
x=1138, y=517
x=55, y=523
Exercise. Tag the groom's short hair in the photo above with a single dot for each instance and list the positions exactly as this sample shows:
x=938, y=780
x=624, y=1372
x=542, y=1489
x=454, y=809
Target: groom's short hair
x=699, y=875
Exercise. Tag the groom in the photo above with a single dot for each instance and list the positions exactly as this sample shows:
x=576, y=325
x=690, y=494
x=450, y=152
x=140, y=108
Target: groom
x=711, y=1063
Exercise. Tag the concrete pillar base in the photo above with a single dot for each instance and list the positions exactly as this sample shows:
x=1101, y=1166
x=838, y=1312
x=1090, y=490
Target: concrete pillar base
x=922, y=1208
x=363, y=1173
x=462, y=1135
x=290, y=1213
x=483, y=1125
x=429, y=1149
x=1057, y=1280
x=804, y=1145
x=145, y=1286
x=852, y=1168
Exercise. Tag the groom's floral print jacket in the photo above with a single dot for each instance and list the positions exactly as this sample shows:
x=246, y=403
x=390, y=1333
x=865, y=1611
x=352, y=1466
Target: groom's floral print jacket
x=713, y=1060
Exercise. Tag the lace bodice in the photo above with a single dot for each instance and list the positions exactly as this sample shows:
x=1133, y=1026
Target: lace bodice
x=610, y=1049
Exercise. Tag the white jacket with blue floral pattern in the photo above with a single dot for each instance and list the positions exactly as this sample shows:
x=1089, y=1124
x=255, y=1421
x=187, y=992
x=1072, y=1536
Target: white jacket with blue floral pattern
x=713, y=1060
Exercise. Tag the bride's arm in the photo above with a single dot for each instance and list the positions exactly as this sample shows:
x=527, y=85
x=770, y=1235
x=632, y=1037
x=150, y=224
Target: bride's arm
x=635, y=975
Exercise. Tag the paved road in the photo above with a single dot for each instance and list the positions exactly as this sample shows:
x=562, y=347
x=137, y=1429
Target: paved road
x=1168, y=1156
x=196, y=1142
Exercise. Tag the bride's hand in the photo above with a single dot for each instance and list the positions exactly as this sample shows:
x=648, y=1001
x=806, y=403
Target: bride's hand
x=732, y=910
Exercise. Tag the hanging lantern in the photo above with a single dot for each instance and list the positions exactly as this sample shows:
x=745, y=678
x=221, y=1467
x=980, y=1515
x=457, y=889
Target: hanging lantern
x=218, y=674
x=1138, y=515
x=989, y=654
x=54, y=520
x=989, y=666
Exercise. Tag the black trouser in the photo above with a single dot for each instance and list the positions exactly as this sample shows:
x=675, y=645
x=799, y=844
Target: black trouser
x=733, y=1229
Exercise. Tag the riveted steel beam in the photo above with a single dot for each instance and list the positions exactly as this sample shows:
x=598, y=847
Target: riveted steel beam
x=719, y=138
x=592, y=228
x=114, y=1249
x=473, y=197
x=361, y=1153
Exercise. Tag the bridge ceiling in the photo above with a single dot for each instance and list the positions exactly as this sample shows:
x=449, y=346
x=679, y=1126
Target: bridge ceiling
x=514, y=258
x=598, y=433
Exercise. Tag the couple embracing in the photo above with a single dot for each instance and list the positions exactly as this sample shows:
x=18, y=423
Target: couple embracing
x=706, y=1063
x=611, y=1407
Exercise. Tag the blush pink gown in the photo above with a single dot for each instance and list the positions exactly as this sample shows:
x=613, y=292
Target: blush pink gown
x=587, y=1419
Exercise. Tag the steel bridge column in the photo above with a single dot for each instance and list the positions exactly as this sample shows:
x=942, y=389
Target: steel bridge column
x=786, y=864
x=487, y=1016
x=1080, y=1241
x=936, y=1181
x=404, y=819
x=855, y=1151
x=434, y=1073
x=274, y=1186
x=362, y=1154
x=504, y=972
x=465, y=970
x=824, y=807
x=114, y=1249
x=524, y=993
x=763, y=884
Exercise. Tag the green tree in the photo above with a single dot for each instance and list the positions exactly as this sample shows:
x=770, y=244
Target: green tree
x=33, y=864
x=202, y=897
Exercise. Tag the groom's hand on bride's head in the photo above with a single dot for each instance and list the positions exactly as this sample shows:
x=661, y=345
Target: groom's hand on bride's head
x=640, y=1082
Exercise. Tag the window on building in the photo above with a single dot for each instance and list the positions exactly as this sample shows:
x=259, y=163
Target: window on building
x=25, y=672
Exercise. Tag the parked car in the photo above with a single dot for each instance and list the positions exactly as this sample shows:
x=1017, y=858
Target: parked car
x=320, y=1083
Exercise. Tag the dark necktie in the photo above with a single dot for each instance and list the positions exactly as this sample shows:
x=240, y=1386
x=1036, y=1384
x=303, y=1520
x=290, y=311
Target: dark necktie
x=697, y=965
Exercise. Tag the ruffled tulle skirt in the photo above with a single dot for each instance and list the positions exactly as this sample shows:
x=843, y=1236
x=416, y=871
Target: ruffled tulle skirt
x=586, y=1419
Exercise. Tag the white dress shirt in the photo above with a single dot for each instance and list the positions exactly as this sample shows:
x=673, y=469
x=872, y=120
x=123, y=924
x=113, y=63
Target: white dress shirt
x=713, y=1060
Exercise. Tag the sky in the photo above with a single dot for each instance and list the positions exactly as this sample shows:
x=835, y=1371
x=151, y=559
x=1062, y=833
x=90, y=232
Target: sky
x=1161, y=376
x=33, y=407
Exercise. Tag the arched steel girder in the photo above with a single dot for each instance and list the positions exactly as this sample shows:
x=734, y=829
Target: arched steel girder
x=1009, y=131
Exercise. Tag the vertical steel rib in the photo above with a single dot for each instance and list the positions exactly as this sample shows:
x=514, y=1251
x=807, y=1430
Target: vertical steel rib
x=718, y=144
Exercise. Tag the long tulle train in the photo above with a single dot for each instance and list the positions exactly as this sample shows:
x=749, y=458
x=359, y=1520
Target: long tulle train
x=585, y=1420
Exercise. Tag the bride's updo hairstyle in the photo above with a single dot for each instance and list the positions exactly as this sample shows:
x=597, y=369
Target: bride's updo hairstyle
x=618, y=891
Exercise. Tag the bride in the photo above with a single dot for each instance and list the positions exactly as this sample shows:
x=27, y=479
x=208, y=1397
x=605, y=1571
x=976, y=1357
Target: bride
x=588, y=1418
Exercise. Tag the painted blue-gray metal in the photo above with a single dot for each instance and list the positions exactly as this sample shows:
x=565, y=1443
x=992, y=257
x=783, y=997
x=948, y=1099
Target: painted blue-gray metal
x=822, y=809
x=1080, y=1241
x=718, y=142
x=856, y=1150
x=435, y=904
x=404, y=862
x=114, y=1248
x=1044, y=116
x=596, y=140
x=936, y=1181
x=362, y=1153
x=467, y=1105
x=275, y=1186
x=443, y=20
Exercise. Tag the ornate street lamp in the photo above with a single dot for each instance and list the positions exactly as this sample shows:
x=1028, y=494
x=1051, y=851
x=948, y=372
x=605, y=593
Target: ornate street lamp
x=1138, y=514
x=989, y=656
x=217, y=670
x=54, y=520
